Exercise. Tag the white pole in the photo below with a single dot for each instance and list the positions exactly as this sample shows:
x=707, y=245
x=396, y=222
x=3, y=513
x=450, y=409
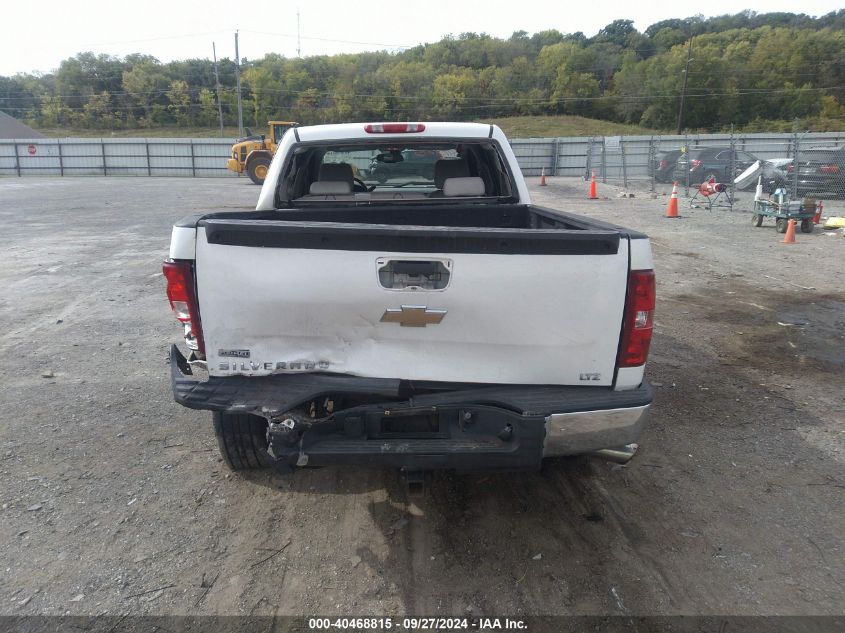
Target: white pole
x=238, y=88
x=217, y=81
x=298, y=42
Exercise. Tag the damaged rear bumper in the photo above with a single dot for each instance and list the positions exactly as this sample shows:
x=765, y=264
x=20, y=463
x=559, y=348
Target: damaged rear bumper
x=428, y=438
x=423, y=426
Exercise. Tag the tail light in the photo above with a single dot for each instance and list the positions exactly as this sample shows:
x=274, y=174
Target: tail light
x=638, y=322
x=394, y=128
x=183, y=299
x=829, y=169
x=695, y=164
x=790, y=168
x=663, y=164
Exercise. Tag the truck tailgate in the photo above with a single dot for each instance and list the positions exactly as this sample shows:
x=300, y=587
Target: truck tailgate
x=551, y=316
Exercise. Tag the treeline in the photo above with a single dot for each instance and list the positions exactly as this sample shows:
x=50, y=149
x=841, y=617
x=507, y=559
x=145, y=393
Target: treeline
x=748, y=69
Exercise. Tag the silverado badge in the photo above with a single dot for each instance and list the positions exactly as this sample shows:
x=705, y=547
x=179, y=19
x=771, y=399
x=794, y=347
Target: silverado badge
x=413, y=316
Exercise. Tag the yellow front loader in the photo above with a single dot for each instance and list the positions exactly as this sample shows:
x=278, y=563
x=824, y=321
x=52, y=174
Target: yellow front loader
x=253, y=153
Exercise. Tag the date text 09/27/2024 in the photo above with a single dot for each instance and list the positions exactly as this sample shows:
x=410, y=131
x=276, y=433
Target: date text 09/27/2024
x=417, y=624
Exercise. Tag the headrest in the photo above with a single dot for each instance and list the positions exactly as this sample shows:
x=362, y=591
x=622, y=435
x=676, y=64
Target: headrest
x=449, y=168
x=471, y=186
x=336, y=171
x=329, y=187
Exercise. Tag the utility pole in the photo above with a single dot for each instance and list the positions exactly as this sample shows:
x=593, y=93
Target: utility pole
x=298, y=42
x=684, y=89
x=217, y=81
x=238, y=88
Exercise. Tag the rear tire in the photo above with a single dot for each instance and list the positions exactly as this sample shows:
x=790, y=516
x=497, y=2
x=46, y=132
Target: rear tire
x=757, y=219
x=806, y=226
x=257, y=170
x=242, y=440
x=781, y=225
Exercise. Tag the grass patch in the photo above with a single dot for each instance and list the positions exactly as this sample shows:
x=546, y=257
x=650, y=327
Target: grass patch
x=146, y=132
x=565, y=125
x=514, y=127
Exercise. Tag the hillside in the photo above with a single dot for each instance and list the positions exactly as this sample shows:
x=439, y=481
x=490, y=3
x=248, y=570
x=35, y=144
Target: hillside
x=745, y=70
x=565, y=125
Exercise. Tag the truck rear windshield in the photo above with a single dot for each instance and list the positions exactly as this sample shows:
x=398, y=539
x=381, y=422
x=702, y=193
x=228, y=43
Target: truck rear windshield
x=391, y=171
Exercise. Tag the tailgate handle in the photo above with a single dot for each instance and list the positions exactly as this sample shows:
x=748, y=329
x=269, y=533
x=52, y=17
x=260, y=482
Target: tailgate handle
x=414, y=274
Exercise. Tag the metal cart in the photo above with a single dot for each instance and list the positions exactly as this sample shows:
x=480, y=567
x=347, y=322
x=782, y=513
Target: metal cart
x=798, y=210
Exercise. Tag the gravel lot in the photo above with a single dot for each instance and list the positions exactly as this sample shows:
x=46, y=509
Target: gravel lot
x=114, y=499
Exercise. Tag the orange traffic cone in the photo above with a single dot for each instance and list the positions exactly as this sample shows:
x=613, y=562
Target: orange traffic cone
x=789, y=238
x=819, y=208
x=593, y=194
x=542, y=176
x=672, y=208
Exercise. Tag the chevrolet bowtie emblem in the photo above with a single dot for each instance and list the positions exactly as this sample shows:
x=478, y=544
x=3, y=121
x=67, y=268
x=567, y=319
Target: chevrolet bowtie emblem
x=413, y=316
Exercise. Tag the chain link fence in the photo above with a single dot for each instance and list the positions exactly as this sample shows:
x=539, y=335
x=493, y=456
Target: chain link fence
x=804, y=165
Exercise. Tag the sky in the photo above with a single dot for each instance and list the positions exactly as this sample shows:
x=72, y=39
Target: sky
x=36, y=37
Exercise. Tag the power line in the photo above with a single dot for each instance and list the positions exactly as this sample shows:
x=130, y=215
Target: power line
x=499, y=103
x=326, y=39
x=493, y=100
x=180, y=36
x=198, y=89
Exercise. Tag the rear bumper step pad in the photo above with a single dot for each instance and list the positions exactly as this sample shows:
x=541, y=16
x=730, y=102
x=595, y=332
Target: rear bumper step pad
x=431, y=438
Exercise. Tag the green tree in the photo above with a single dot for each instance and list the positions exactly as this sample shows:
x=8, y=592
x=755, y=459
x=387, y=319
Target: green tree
x=748, y=68
x=208, y=108
x=54, y=112
x=180, y=101
x=145, y=84
x=262, y=89
x=98, y=111
x=617, y=32
x=551, y=59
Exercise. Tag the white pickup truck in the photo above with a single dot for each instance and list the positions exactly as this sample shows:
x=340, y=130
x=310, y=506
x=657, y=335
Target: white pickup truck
x=395, y=299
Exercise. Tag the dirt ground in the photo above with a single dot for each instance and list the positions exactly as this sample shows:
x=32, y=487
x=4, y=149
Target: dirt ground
x=114, y=499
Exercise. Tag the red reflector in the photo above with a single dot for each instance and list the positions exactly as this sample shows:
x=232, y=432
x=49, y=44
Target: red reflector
x=393, y=128
x=663, y=164
x=829, y=169
x=638, y=322
x=183, y=298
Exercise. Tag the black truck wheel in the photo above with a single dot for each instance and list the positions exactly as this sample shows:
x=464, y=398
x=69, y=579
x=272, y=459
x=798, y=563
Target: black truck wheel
x=242, y=440
x=257, y=170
